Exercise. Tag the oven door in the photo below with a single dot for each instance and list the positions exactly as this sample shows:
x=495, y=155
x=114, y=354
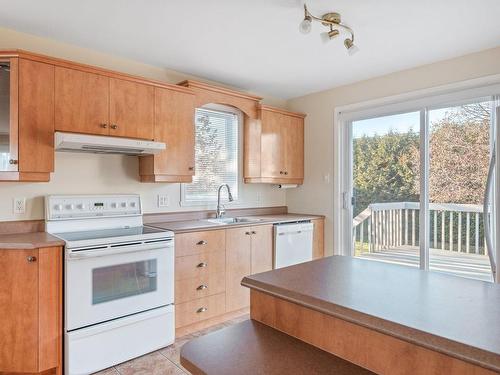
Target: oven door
x=106, y=284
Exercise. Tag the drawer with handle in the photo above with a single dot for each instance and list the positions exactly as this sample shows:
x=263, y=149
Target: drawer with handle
x=199, y=287
x=199, y=265
x=199, y=242
x=200, y=309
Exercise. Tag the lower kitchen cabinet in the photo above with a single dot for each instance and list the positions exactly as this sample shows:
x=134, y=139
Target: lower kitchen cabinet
x=200, y=276
x=31, y=310
x=199, y=309
x=249, y=250
x=210, y=265
x=239, y=265
x=261, y=249
x=318, y=237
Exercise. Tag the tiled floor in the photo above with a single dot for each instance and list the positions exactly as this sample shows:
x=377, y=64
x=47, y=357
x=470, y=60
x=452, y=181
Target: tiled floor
x=165, y=361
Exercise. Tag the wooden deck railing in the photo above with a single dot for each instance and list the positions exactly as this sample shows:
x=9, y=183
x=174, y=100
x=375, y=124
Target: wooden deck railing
x=453, y=227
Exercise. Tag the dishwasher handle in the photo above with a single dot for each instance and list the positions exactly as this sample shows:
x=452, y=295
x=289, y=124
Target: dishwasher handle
x=293, y=228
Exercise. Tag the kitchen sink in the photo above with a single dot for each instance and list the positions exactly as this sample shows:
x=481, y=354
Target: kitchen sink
x=234, y=220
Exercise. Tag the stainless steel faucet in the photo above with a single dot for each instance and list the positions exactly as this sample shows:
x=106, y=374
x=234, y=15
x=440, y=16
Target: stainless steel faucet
x=220, y=208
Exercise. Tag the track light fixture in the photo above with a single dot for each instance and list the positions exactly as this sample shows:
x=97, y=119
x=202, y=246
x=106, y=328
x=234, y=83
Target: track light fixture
x=333, y=21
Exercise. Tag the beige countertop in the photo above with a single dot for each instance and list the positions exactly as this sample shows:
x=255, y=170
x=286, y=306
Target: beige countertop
x=33, y=240
x=455, y=316
x=29, y=240
x=203, y=224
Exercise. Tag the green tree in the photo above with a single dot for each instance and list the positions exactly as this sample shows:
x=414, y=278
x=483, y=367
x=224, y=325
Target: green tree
x=459, y=155
x=208, y=156
x=384, y=168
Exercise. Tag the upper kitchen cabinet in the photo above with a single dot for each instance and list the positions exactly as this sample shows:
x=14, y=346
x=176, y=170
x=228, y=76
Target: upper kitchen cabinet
x=91, y=103
x=173, y=125
x=131, y=109
x=274, y=147
x=26, y=119
x=81, y=102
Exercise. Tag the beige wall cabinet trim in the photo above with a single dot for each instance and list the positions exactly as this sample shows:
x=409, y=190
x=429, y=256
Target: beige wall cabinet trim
x=210, y=94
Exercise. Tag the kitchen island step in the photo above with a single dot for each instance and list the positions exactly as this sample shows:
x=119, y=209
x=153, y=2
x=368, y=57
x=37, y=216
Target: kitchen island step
x=253, y=348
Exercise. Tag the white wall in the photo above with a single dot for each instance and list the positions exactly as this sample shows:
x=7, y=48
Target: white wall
x=87, y=174
x=316, y=196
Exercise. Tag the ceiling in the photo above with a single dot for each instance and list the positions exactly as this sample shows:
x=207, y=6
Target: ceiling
x=255, y=44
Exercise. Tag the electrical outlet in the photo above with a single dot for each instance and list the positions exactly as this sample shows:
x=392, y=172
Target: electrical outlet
x=19, y=205
x=163, y=201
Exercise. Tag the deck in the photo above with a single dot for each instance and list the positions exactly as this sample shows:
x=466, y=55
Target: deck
x=459, y=264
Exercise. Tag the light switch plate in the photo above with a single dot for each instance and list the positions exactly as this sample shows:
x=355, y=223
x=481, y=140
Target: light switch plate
x=163, y=200
x=19, y=205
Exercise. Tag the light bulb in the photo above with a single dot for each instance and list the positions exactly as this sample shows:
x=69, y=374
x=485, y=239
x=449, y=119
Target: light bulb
x=351, y=47
x=306, y=25
x=328, y=35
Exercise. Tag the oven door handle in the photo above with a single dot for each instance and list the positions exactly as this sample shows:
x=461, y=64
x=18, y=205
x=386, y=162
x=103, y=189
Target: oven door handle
x=94, y=253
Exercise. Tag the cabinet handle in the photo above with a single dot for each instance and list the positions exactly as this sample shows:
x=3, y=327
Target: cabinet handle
x=202, y=242
x=254, y=232
x=281, y=172
x=247, y=233
x=114, y=126
x=286, y=172
x=202, y=265
x=191, y=168
x=31, y=259
x=202, y=287
x=104, y=126
x=201, y=310
x=12, y=161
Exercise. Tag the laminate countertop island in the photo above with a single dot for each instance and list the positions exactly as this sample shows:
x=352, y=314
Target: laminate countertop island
x=384, y=310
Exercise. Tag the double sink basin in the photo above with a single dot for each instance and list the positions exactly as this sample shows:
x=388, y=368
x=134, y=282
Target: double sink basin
x=233, y=220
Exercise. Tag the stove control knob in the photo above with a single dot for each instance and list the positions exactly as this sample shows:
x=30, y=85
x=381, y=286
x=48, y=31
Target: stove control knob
x=70, y=206
x=124, y=204
x=81, y=206
x=113, y=205
x=132, y=204
x=58, y=207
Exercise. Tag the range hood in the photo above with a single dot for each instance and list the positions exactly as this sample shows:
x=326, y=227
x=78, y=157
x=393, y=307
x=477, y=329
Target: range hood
x=97, y=144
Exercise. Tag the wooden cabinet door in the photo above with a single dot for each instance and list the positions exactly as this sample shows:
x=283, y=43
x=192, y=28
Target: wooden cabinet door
x=36, y=117
x=293, y=140
x=272, y=151
x=18, y=311
x=174, y=125
x=318, y=238
x=131, y=109
x=262, y=248
x=81, y=102
x=238, y=265
x=8, y=115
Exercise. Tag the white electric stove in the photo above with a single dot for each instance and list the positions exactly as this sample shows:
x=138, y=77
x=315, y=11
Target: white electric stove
x=119, y=280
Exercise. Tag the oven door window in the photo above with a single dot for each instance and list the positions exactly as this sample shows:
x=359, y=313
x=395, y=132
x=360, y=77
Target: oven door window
x=123, y=280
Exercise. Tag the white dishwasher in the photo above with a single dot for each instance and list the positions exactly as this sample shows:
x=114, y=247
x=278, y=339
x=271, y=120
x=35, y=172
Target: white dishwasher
x=293, y=243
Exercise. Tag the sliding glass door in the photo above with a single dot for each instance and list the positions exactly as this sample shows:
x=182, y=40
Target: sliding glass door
x=385, y=190
x=416, y=187
x=460, y=145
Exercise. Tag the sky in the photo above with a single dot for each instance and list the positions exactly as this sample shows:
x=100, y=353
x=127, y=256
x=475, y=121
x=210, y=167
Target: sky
x=401, y=123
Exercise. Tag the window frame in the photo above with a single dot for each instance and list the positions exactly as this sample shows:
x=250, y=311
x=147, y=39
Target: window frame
x=423, y=101
x=212, y=203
